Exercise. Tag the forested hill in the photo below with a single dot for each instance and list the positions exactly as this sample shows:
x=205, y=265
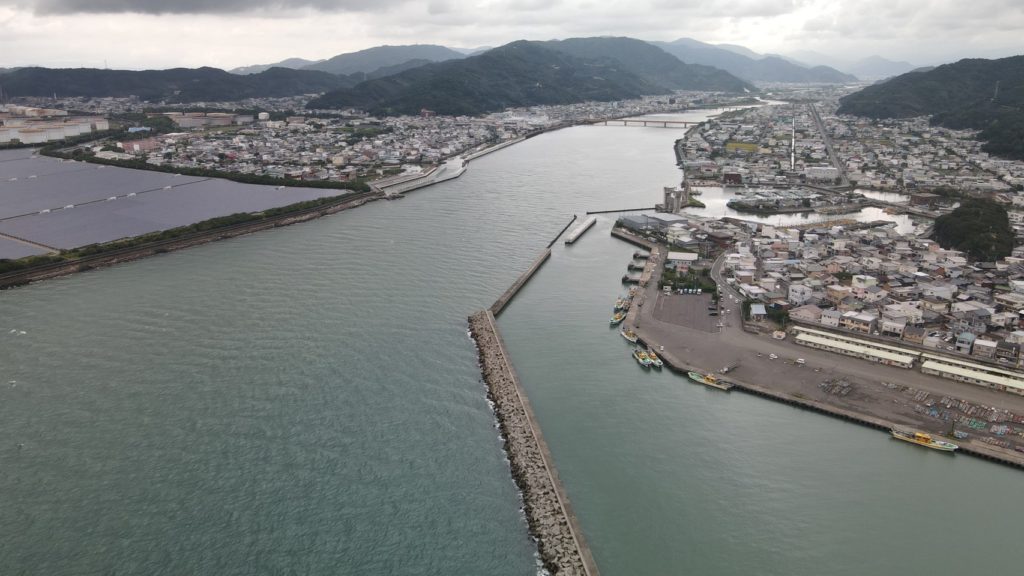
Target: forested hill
x=174, y=85
x=528, y=73
x=959, y=95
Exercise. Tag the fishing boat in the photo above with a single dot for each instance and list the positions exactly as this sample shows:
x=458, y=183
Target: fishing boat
x=709, y=380
x=655, y=361
x=618, y=318
x=628, y=334
x=641, y=358
x=922, y=439
x=621, y=304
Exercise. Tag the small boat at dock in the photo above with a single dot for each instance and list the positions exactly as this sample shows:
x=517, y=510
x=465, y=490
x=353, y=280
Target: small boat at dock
x=922, y=439
x=621, y=304
x=641, y=358
x=618, y=318
x=655, y=361
x=628, y=334
x=709, y=380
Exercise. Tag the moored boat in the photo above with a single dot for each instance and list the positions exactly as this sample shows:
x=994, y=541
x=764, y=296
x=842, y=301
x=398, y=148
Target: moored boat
x=655, y=361
x=620, y=304
x=618, y=318
x=641, y=358
x=709, y=380
x=628, y=334
x=922, y=439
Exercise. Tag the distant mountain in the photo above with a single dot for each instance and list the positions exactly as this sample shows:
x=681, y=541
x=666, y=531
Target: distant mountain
x=174, y=85
x=762, y=69
x=371, y=59
x=528, y=73
x=293, y=63
x=473, y=51
x=737, y=49
x=959, y=95
x=876, y=68
x=869, y=68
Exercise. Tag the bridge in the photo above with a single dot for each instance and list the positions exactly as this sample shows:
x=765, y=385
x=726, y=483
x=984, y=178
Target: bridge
x=645, y=123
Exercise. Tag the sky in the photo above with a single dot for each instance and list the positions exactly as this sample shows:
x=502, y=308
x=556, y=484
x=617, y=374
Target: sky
x=140, y=34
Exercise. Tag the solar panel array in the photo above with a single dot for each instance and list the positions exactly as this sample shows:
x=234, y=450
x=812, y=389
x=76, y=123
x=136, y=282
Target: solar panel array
x=69, y=204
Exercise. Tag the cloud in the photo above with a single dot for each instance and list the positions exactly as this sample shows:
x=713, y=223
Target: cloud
x=52, y=7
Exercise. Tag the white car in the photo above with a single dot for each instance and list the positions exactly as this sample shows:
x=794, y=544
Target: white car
x=773, y=356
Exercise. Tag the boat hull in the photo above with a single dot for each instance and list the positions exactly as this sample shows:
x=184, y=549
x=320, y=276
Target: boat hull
x=939, y=445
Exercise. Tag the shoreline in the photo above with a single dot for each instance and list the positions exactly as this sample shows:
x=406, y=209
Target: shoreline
x=549, y=515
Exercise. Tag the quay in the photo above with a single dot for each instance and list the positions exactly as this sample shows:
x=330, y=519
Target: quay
x=633, y=239
x=549, y=515
x=969, y=447
x=647, y=209
x=580, y=230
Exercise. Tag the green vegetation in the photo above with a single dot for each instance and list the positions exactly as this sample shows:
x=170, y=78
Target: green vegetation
x=694, y=203
x=7, y=265
x=689, y=279
x=960, y=95
x=845, y=278
x=979, y=227
x=527, y=73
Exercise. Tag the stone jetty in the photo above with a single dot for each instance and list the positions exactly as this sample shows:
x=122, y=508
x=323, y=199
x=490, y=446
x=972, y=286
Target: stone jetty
x=548, y=513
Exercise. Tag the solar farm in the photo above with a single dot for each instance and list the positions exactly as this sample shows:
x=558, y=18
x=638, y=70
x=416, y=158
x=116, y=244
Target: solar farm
x=47, y=204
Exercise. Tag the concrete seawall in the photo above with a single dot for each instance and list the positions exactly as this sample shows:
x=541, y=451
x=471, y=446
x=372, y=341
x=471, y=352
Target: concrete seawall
x=969, y=447
x=516, y=286
x=549, y=515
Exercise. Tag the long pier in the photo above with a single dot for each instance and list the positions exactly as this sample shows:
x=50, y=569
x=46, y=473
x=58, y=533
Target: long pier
x=516, y=286
x=549, y=515
x=559, y=235
x=633, y=239
x=582, y=229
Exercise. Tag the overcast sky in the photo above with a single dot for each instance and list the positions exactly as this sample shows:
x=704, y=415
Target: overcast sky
x=228, y=33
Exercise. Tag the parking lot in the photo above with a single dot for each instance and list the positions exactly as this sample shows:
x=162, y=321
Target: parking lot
x=689, y=310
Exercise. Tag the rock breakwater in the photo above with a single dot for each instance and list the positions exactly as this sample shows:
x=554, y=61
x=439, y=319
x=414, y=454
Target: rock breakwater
x=548, y=513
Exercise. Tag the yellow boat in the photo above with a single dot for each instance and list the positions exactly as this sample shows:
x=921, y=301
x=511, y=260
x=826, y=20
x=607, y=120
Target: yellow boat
x=709, y=380
x=922, y=439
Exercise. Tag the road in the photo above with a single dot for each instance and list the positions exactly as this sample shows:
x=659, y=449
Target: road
x=828, y=146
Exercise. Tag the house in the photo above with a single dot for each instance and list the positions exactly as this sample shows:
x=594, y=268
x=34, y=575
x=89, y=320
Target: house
x=799, y=294
x=1009, y=351
x=984, y=348
x=974, y=321
x=859, y=321
x=964, y=342
x=830, y=318
x=758, y=312
x=914, y=334
x=808, y=313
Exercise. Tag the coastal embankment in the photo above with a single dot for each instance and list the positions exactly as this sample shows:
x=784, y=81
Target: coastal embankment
x=117, y=256
x=970, y=447
x=549, y=515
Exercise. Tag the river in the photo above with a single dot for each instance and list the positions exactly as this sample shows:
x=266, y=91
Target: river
x=306, y=401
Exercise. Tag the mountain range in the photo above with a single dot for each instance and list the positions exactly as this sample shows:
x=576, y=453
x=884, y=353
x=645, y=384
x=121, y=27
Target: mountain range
x=173, y=85
x=527, y=73
x=868, y=68
x=985, y=95
x=749, y=65
x=293, y=63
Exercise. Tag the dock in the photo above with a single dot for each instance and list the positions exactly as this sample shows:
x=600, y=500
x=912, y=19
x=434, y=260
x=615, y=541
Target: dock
x=580, y=230
x=549, y=515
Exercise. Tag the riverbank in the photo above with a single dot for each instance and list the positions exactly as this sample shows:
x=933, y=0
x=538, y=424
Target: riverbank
x=548, y=512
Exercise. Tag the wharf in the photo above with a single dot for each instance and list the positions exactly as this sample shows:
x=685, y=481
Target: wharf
x=549, y=514
x=633, y=239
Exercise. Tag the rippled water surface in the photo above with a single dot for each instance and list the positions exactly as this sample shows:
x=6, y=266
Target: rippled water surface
x=306, y=401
